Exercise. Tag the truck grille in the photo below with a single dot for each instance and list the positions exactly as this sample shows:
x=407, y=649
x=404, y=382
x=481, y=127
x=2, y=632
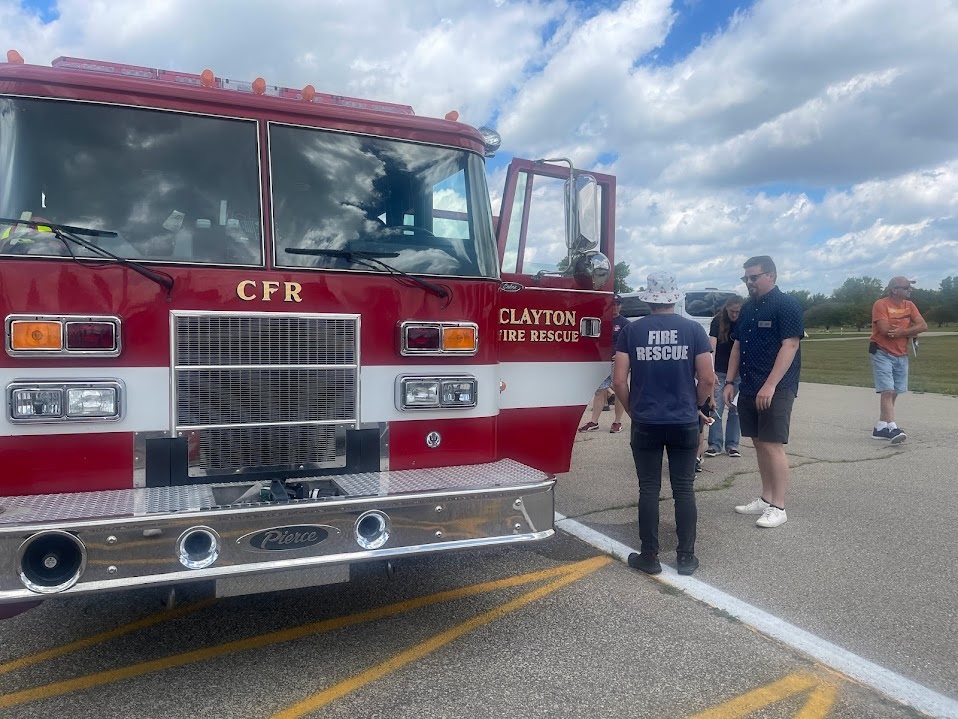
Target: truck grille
x=264, y=391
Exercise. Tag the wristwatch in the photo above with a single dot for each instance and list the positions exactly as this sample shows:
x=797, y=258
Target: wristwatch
x=727, y=383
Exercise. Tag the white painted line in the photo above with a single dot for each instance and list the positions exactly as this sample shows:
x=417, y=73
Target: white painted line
x=861, y=670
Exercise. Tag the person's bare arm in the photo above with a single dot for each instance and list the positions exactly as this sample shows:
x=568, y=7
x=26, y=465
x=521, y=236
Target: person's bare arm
x=714, y=341
x=620, y=381
x=917, y=326
x=728, y=391
x=783, y=360
x=910, y=331
x=706, y=377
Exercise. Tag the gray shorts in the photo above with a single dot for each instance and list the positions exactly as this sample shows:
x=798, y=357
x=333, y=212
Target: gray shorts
x=770, y=425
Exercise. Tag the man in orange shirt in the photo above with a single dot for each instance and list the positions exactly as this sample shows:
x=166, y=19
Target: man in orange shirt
x=894, y=319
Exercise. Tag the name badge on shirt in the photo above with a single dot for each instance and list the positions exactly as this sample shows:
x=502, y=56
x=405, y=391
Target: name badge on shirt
x=765, y=323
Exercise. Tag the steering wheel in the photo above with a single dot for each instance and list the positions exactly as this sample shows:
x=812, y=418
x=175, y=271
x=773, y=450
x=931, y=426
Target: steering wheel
x=415, y=229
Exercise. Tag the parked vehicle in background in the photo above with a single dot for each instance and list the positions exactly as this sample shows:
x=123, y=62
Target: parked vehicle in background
x=698, y=305
x=703, y=305
x=632, y=307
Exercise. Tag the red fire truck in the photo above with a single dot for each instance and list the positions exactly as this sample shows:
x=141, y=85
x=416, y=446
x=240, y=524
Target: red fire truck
x=255, y=335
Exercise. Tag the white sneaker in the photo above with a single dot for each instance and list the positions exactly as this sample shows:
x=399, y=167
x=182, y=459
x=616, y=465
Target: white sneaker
x=772, y=517
x=756, y=506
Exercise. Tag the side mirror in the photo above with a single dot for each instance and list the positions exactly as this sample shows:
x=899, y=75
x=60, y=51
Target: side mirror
x=592, y=270
x=581, y=213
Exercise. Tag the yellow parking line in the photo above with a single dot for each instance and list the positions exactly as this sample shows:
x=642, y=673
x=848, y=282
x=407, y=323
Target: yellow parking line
x=819, y=703
x=283, y=635
x=323, y=698
x=756, y=699
x=105, y=636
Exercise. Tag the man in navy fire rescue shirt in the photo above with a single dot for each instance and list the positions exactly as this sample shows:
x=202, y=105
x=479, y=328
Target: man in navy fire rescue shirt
x=665, y=355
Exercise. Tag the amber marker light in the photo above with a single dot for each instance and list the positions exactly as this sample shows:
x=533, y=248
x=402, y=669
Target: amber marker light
x=29, y=336
x=458, y=339
x=452, y=115
x=309, y=92
x=207, y=79
x=259, y=86
x=14, y=58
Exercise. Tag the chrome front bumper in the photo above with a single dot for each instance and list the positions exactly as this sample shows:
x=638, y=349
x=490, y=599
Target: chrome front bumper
x=130, y=537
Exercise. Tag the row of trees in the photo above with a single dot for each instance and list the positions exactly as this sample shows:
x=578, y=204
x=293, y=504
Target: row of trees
x=851, y=304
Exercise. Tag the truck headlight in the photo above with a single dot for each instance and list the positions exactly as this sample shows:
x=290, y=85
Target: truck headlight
x=91, y=402
x=436, y=392
x=420, y=392
x=65, y=400
x=36, y=404
x=458, y=393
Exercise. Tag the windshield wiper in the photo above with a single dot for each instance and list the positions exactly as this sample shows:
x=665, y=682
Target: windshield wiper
x=68, y=232
x=344, y=254
x=367, y=259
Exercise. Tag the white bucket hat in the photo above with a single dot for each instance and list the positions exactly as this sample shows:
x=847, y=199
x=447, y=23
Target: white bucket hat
x=661, y=289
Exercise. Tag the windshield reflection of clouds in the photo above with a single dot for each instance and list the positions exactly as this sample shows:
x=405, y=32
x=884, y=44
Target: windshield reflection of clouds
x=174, y=187
x=177, y=187
x=343, y=192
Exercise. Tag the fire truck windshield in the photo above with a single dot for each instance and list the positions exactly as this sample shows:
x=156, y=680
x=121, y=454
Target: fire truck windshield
x=173, y=187
x=426, y=206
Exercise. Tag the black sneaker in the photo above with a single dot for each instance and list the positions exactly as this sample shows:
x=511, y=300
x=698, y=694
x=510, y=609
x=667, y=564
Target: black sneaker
x=687, y=563
x=897, y=436
x=647, y=562
x=884, y=433
x=712, y=452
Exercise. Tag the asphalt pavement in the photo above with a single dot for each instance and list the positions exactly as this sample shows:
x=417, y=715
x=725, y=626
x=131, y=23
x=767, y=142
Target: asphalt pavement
x=866, y=558
x=558, y=628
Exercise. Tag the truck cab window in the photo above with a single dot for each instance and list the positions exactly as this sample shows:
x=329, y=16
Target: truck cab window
x=424, y=208
x=174, y=187
x=536, y=238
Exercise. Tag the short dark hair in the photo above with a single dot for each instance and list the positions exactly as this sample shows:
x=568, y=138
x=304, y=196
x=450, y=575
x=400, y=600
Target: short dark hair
x=659, y=305
x=763, y=261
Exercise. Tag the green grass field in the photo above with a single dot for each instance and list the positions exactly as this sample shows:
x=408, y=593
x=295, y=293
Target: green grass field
x=819, y=333
x=847, y=362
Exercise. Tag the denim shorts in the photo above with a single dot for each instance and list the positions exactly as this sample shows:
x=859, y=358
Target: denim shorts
x=607, y=382
x=891, y=372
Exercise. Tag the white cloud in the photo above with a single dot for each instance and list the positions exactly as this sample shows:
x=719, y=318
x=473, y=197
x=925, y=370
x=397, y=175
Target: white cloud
x=823, y=132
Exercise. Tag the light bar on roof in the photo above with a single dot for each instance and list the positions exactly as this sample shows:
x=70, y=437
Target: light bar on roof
x=189, y=79
x=110, y=68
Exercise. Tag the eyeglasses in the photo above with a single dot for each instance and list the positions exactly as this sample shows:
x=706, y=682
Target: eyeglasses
x=902, y=287
x=752, y=278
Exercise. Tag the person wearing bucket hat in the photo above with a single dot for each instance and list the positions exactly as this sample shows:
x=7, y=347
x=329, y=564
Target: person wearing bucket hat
x=602, y=393
x=895, y=319
x=657, y=362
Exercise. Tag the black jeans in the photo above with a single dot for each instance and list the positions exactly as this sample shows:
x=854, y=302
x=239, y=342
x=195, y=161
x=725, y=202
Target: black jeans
x=681, y=441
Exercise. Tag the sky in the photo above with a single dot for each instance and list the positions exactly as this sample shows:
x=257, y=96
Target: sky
x=823, y=132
